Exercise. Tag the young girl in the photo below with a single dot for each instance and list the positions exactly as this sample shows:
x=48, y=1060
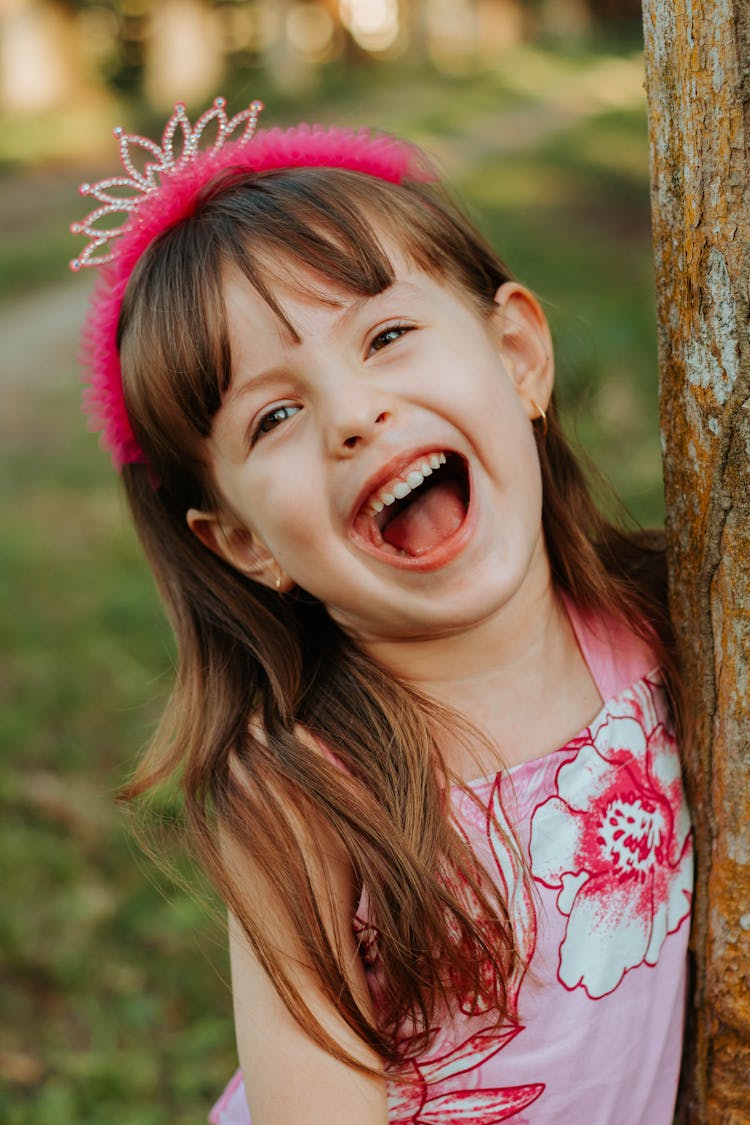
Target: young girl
x=425, y=706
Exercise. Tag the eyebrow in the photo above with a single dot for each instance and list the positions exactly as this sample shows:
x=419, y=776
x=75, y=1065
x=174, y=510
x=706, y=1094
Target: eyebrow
x=349, y=309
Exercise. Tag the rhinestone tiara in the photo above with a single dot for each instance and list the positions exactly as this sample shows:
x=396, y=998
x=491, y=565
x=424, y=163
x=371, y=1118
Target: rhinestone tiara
x=180, y=143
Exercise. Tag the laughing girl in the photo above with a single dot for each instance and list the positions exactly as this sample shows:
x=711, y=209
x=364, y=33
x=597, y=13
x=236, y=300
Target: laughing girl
x=426, y=706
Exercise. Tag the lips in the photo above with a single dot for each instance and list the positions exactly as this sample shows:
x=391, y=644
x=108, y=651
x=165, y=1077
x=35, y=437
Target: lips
x=416, y=512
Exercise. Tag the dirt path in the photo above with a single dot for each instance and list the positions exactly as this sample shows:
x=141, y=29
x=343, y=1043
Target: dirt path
x=39, y=334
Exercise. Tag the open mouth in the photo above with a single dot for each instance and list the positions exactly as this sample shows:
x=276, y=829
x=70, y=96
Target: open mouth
x=418, y=511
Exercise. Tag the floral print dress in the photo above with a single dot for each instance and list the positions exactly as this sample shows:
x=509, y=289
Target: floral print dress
x=595, y=1026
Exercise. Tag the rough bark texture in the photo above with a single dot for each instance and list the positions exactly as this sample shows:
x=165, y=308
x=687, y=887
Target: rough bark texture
x=698, y=81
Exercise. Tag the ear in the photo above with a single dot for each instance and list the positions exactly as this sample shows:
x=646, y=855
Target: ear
x=239, y=547
x=525, y=343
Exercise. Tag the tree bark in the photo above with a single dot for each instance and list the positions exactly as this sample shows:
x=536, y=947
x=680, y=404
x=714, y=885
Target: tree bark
x=698, y=83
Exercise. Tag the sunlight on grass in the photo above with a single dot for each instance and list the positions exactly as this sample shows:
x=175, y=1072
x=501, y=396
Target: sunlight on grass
x=67, y=135
x=514, y=182
x=577, y=79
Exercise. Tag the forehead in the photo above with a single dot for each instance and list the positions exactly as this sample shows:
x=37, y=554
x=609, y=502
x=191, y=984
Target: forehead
x=295, y=298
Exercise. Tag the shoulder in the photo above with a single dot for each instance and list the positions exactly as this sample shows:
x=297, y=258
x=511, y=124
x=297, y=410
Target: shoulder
x=294, y=897
x=299, y=823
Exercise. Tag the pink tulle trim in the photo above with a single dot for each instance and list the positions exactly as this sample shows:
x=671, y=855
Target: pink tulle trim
x=379, y=155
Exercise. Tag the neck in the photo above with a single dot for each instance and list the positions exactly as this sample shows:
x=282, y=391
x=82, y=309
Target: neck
x=498, y=643
x=518, y=677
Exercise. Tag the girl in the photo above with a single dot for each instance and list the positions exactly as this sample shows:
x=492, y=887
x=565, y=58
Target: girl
x=424, y=711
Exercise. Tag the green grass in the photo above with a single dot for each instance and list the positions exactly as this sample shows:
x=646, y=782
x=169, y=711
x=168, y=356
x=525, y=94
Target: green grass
x=115, y=983
x=115, y=999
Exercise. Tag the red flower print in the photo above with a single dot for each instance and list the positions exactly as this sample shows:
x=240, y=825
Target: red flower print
x=615, y=841
x=423, y=1095
x=417, y=1101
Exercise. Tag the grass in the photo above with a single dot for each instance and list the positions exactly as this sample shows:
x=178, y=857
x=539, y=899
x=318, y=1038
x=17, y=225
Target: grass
x=111, y=1022
x=115, y=998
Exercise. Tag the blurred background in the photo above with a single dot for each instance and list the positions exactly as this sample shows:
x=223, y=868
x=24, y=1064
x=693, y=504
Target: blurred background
x=114, y=979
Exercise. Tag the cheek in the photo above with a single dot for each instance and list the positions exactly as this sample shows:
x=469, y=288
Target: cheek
x=288, y=514
x=515, y=452
x=529, y=469
x=506, y=421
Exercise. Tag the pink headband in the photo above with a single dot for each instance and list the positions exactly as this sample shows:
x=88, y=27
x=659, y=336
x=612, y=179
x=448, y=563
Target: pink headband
x=165, y=192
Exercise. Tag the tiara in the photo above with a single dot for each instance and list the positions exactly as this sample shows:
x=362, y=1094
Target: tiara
x=168, y=159
x=165, y=189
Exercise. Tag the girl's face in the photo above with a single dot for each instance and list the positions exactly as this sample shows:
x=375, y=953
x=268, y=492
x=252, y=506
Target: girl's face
x=413, y=388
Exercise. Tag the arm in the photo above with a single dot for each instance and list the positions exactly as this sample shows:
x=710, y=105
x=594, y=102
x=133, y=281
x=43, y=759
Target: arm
x=289, y=1079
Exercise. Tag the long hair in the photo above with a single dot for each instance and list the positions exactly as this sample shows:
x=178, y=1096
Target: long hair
x=261, y=675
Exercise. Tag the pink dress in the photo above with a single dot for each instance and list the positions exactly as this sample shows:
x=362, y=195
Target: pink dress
x=596, y=1020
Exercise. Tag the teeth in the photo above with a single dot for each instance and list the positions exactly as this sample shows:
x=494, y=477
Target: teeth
x=400, y=489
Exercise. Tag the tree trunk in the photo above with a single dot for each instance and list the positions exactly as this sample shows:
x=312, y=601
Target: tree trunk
x=698, y=80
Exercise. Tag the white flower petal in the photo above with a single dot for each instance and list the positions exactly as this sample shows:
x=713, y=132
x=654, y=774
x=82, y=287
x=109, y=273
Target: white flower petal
x=608, y=932
x=571, y=885
x=658, y=933
x=581, y=781
x=621, y=735
x=671, y=912
x=680, y=890
x=665, y=765
x=556, y=834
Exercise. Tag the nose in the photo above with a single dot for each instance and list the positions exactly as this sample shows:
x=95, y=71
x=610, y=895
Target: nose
x=354, y=440
x=354, y=421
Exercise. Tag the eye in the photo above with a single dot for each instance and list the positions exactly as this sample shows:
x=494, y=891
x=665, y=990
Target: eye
x=273, y=419
x=389, y=335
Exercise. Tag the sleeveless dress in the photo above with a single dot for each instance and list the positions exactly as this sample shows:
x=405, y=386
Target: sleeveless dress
x=595, y=1026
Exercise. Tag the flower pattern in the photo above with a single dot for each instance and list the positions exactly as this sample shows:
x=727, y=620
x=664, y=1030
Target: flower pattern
x=416, y=1098
x=614, y=841
x=421, y=1094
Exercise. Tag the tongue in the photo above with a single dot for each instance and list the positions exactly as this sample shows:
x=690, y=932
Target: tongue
x=430, y=518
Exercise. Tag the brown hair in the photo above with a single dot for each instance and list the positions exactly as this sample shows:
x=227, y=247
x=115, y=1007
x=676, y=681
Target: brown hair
x=245, y=652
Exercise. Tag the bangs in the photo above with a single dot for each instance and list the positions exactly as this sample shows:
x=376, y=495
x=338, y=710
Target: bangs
x=174, y=339
x=274, y=225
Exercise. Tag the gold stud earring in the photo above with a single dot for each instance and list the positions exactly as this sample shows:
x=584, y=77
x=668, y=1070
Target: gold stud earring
x=543, y=415
x=278, y=583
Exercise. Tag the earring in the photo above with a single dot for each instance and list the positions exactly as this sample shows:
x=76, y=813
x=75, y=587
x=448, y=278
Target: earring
x=543, y=415
x=278, y=583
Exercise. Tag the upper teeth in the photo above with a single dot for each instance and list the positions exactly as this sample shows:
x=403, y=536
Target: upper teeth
x=401, y=486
